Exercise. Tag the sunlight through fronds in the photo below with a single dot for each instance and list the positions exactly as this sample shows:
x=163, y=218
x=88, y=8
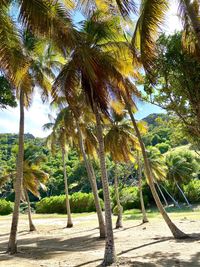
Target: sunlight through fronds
x=151, y=16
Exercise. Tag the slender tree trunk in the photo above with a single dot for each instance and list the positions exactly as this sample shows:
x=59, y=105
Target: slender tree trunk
x=31, y=225
x=69, y=217
x=165, y=200
x=119, y=207
x=194, y=19
x=144, y=219
x=12, y=244
x=184, y=196
x=177, y=233
x=93, y=184
x=175, y=202
x=92, y=179
x=110, y=255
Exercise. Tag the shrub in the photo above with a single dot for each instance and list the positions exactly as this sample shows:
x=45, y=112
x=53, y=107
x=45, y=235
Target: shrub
x=6, y=207
x=192, y=191
x=79, y=202
x=83, y=202
x=55, y=204
x=130, y=198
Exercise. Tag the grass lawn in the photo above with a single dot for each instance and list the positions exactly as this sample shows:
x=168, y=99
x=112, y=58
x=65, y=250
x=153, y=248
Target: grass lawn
x=192, y=213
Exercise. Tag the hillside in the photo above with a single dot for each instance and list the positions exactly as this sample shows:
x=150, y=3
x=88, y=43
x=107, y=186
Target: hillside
x=160, y=135
x=151, y=119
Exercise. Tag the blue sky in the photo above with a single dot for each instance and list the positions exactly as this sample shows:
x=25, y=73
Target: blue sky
x=37, y=115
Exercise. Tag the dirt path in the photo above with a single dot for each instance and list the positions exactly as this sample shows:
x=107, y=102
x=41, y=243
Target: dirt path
x=136, y=245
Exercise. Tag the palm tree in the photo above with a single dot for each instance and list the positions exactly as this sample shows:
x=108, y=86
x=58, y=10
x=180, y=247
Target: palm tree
x=119, y=141
x=74, y=118
x=12, y=245
x=93, y=65
x=33, y=177
x=150, y=16
x=158, y=167
x=177, y=233
x=61, y=136
x=92, y=179
x=26, y=79
x=181, y=167
x=42, y=18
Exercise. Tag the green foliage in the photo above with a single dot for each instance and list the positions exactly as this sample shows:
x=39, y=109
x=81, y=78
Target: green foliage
x=163, y=147
x=54, y=204
x=79, y=202
x=116, y=210
x=192, y=191
x=155, y=140
x=129, y=198
x=7, y=97
x=83, y=202
x=177, y=87
x=6, y=207
x=182, y=166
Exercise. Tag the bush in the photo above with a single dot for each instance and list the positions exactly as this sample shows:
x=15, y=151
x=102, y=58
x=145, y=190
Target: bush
x=6, y=207
x=130, y=198
x=192, y=191
x=55, y=204
x=79, y=202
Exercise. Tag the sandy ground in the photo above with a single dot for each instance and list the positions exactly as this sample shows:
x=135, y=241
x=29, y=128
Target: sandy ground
x=137, y=245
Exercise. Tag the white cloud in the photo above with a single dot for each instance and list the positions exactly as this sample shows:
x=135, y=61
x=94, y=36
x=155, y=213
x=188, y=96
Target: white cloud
x=35, y=117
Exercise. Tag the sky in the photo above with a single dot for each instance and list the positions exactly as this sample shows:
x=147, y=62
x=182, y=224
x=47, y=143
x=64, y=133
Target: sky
x=37, y=115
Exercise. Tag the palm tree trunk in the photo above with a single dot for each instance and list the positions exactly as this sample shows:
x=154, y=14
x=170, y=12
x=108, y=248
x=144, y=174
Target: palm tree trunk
x=110, y=255
x=12, y=244
x=165, y=200
x=144, y=219
x=119, y=207
x=97, y=201
x=92, y=179
x=184, y=196
x=69, y=217
x=175, y=202
x=177, y=233
x=31, y=225
x=194, y=19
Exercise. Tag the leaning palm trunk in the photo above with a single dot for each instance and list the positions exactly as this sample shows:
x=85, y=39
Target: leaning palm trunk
x=184, y=196
x=12, y=245
x=110, y=255
x=177, y=233
x=175, y=202
x=119, y=207
x=144, y=218
x=92, y=179
x=161, y=192
x=194, y=19
x=31, y=225
x=69, y=217
x=97, y=201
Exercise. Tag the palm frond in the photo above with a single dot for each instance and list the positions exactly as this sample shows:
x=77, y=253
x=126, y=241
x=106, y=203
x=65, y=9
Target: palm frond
x=48, y=18
x=124, y=7
x=11, y=56
x=152, y=14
